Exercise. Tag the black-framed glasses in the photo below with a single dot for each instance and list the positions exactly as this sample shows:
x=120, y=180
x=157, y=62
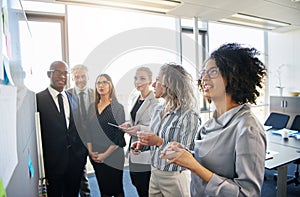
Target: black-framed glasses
x=102, y=83
x=211, y=73
x=58, y=72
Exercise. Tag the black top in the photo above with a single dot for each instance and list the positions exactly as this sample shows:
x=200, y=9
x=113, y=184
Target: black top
x=113, y=133
x=135, y=108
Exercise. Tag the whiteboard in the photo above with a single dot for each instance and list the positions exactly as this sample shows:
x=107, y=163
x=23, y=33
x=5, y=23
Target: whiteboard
x=8, y=134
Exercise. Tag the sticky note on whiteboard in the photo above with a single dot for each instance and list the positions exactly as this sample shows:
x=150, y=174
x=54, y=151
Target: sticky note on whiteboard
x=30, y=167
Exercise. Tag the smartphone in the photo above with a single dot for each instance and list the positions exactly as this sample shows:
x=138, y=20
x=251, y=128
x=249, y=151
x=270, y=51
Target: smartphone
x=135, y=149
x=114, y=125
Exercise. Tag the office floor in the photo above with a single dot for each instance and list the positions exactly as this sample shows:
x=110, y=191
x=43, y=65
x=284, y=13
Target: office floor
x=269, y=186
x=268, y=190
x=129, y=189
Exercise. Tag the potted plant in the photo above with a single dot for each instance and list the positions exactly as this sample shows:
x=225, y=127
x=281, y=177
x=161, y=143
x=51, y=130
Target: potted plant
x=278, y=74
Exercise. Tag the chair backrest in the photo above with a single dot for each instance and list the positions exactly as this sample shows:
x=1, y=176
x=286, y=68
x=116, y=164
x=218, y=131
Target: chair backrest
x=277, y=120
x=296, y=123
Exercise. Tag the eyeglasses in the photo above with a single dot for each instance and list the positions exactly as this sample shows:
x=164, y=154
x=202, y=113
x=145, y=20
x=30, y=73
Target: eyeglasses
x=58, y=72
x=211, y=73
x=102, y=83
x=77, y=77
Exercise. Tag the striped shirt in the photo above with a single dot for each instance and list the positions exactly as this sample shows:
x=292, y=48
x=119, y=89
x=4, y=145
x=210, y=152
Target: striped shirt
x=176, y=126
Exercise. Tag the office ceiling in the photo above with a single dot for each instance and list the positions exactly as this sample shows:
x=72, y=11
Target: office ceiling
x=287, y=11
x=215, y=10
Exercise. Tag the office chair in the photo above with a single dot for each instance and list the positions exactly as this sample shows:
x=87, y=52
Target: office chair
x=277, y=120
x=295, y=126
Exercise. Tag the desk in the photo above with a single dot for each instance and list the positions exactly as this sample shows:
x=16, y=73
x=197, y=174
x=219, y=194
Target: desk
x=291, y=142
x=288, y=152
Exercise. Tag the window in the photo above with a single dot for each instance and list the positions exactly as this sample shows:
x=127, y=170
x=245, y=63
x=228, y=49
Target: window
x=39, y=49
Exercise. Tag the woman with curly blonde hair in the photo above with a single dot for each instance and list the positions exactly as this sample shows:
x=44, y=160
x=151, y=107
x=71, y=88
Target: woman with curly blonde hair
x=175, y=120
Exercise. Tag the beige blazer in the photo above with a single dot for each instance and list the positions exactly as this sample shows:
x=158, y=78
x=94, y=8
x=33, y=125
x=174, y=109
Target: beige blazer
x=143, y=115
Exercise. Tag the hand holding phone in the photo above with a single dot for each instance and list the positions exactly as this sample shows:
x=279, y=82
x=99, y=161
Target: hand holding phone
x=135, y=149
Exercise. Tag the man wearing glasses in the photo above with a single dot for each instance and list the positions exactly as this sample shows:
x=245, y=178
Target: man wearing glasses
x=63, y=151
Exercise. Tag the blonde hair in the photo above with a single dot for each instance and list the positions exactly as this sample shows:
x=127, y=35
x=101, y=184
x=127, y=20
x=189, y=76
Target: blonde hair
x=178, y=88
x=145, y=69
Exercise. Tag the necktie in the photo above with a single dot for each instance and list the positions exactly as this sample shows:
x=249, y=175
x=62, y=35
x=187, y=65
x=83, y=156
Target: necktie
x=61, y=108
x=82, y=105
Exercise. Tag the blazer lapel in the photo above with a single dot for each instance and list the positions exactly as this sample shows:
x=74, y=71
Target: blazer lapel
x=51, y=100
x=134, y=100
x=142, y=109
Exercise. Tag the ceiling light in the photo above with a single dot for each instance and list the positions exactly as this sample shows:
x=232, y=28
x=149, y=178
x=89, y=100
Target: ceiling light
x=158, y=6
x=254, y=21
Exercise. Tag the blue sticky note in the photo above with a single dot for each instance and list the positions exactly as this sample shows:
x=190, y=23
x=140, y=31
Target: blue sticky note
x=30, y=167
x=6, y=79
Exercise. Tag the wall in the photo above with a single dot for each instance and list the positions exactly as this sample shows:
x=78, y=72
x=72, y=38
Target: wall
x=284, y=50
x=21, y=183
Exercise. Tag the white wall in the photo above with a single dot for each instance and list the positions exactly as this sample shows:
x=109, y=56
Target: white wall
x=284, y=48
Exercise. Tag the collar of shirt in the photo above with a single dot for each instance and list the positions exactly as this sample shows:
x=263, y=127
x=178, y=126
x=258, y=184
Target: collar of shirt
x=54, y=93
x=224, y=119
x=77, y=90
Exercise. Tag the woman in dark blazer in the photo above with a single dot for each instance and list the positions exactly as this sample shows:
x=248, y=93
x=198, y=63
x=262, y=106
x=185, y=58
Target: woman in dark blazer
x=105, y=142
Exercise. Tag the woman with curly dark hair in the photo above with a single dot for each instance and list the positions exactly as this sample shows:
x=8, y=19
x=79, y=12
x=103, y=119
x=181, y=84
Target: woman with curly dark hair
x=230, y=147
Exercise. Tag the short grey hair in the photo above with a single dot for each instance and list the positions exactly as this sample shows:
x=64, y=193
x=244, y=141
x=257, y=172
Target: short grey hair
x=79, y=66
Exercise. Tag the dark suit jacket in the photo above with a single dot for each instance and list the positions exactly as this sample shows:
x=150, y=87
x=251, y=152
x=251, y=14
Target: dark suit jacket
x=55, y=137
x=81, y=124
x=90, y=93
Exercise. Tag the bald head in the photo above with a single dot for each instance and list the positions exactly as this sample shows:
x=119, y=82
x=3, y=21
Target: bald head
x=58, y=75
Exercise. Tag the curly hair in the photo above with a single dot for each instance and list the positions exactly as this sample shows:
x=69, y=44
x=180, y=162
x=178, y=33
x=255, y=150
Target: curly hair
x=178, y=88
x=242, y=70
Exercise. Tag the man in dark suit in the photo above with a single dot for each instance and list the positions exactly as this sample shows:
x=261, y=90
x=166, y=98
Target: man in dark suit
x=86, y=97
x=63, y=151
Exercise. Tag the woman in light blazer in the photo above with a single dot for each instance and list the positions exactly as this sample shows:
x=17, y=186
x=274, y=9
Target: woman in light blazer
x=140, y=116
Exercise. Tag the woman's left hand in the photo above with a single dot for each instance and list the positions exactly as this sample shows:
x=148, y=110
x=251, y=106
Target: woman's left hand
x=148, y=138
x=177, y=154
x=100, y=158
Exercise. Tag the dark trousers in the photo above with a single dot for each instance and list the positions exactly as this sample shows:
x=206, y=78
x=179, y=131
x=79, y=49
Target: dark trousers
x=140, y=178
x=66, y=184
x=84, y=184
x=141, y=181
x=110, y=179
